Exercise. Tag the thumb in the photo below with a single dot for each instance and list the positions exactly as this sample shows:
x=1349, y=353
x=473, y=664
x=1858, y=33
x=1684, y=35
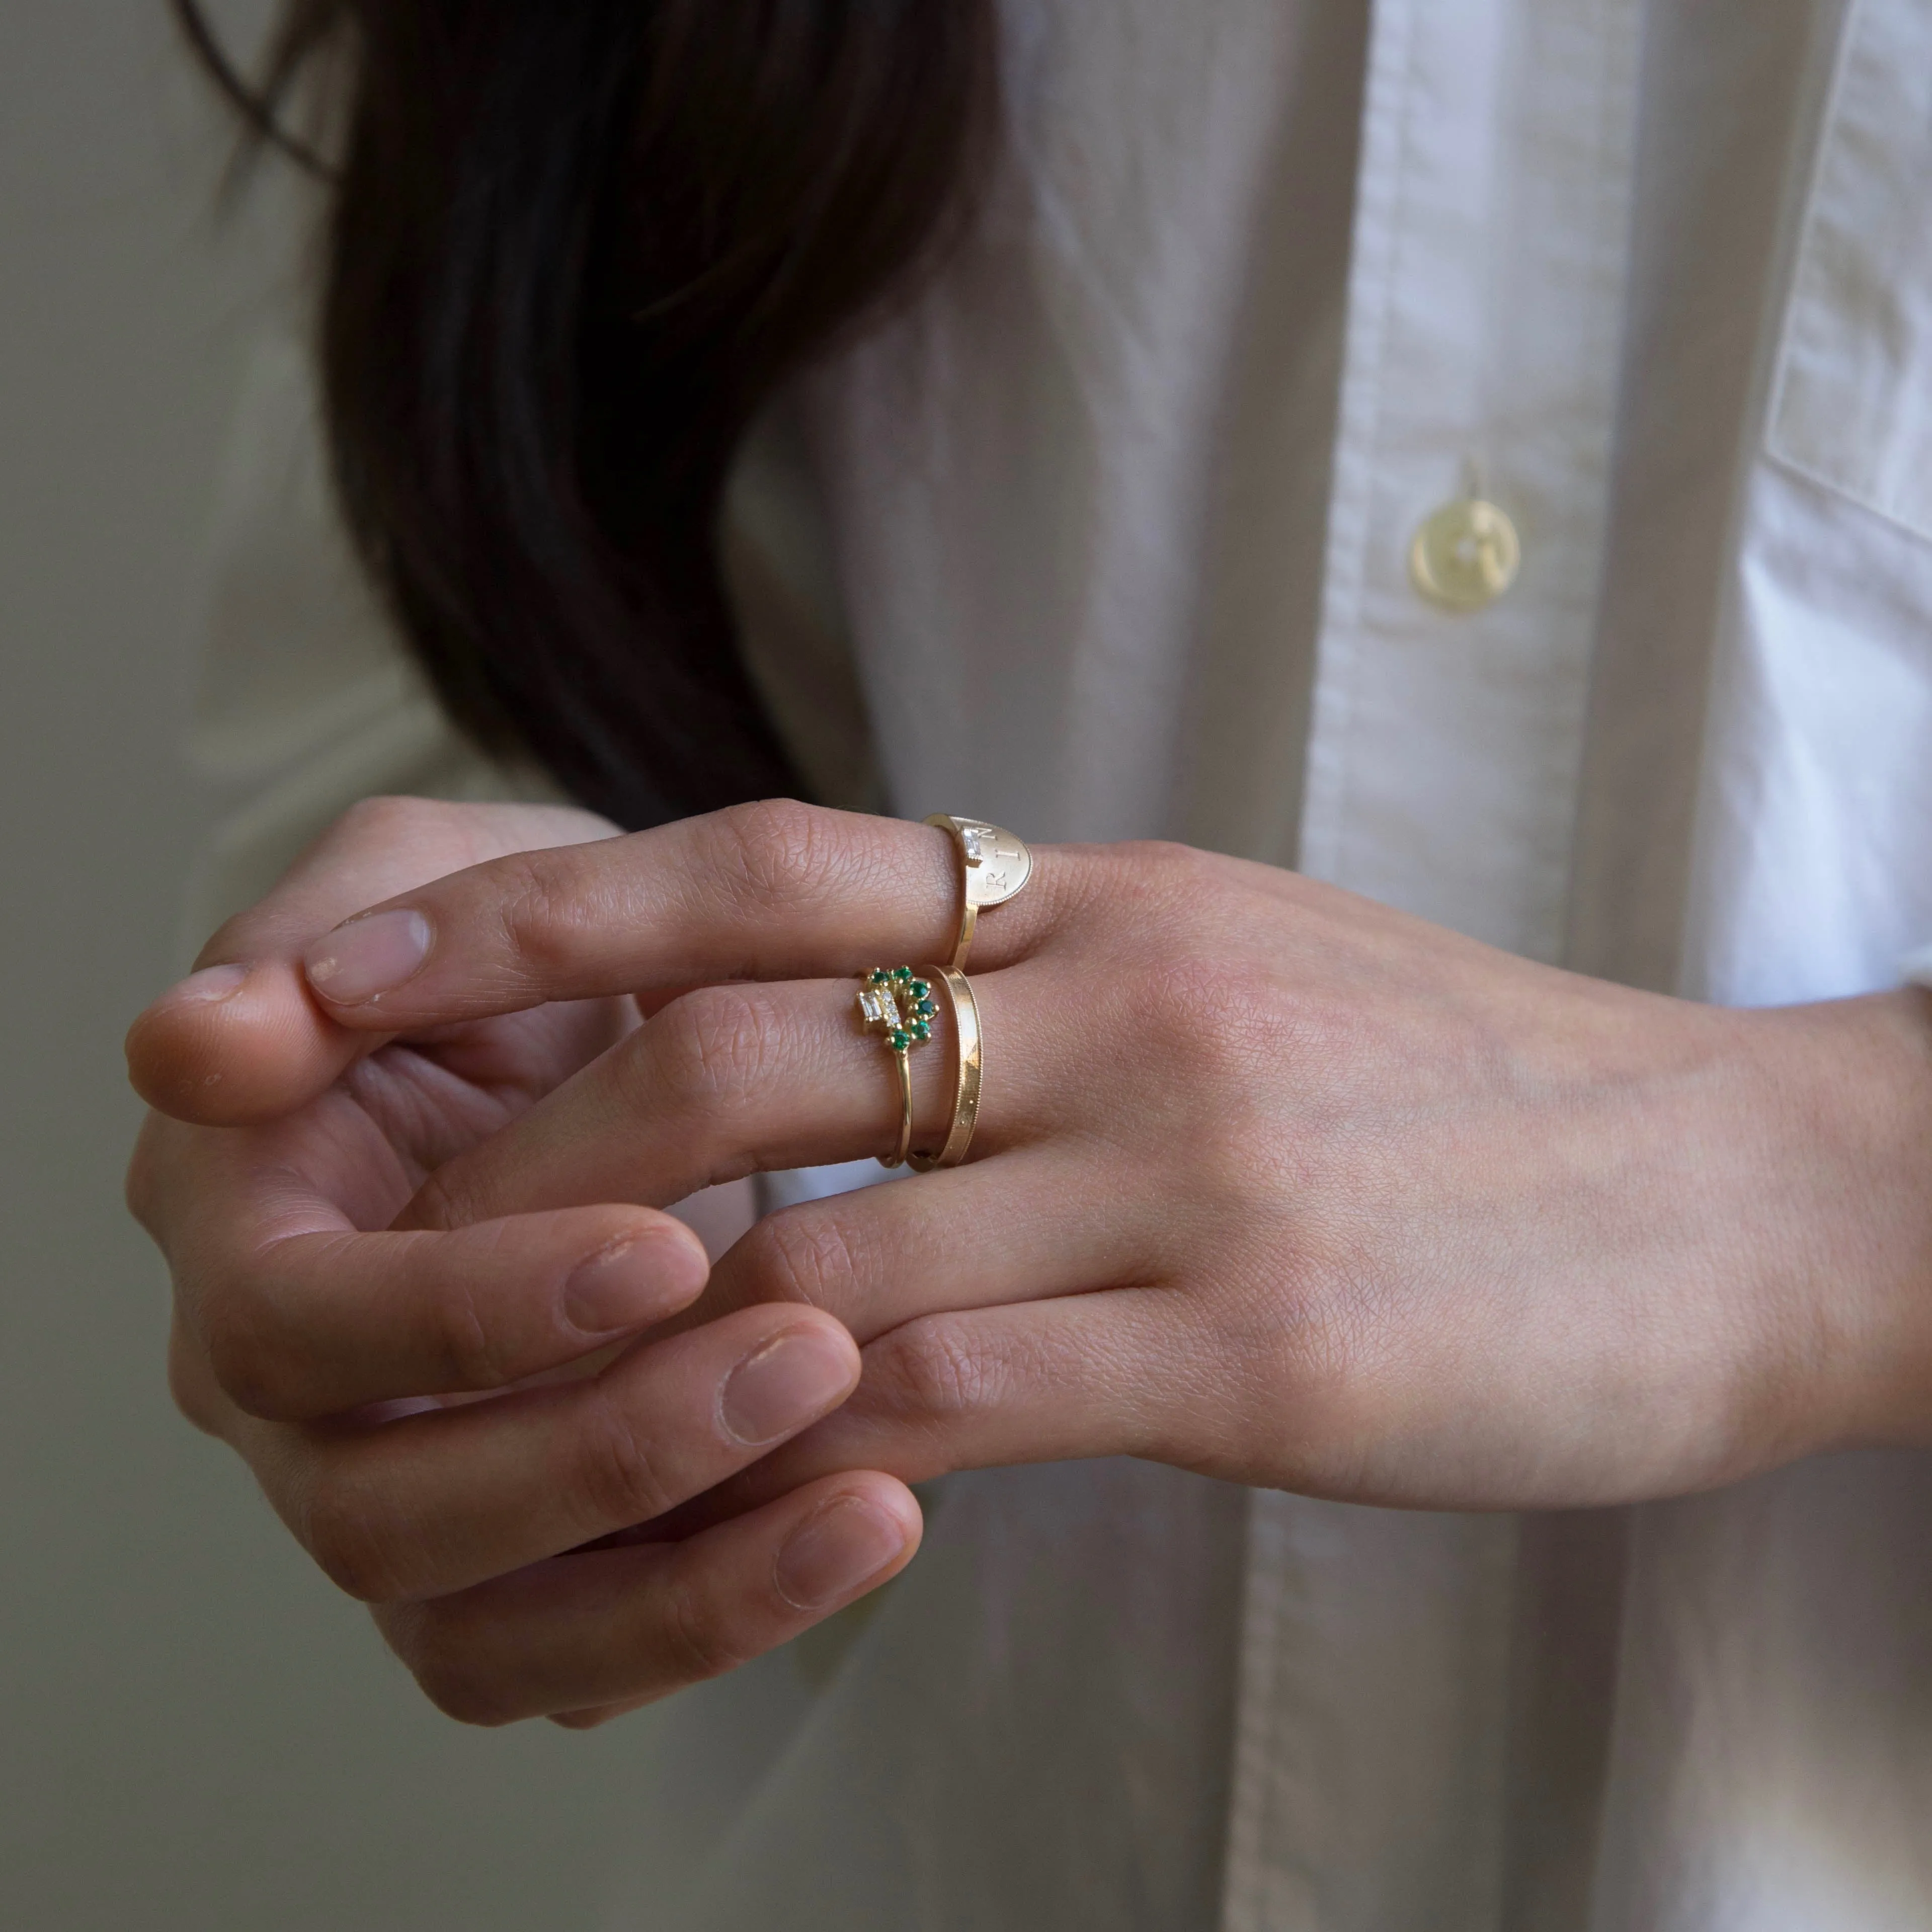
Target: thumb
x=241, y=1040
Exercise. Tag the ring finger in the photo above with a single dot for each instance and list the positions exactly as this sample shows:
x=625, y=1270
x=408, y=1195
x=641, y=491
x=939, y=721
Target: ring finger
x=732, y=1080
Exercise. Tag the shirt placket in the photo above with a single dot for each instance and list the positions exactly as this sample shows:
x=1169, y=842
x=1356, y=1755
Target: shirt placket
x=1486, y=297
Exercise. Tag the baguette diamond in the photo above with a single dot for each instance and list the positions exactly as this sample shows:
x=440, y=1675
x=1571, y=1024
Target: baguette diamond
x=877, y=1009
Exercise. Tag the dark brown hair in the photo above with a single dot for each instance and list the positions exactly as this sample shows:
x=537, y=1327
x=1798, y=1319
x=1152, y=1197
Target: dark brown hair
x=572, y=246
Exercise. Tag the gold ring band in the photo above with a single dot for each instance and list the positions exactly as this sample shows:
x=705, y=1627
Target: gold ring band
x=903, y=1152
x=970, y=1043
x=896, y=1003
x=994, y=867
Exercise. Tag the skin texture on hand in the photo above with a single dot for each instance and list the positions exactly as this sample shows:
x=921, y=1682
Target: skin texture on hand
x=1270, y=1182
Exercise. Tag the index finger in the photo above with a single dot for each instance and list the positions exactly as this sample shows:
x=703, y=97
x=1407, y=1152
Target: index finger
x=774, y=890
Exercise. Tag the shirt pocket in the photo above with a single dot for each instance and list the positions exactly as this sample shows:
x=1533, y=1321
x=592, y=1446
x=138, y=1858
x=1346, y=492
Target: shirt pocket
x=1852, y=403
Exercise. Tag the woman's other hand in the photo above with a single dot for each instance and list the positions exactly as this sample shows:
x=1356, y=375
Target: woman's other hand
x=342, y=1357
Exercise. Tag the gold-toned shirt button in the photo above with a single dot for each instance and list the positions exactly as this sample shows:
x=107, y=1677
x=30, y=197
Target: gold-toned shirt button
x=1466, y=555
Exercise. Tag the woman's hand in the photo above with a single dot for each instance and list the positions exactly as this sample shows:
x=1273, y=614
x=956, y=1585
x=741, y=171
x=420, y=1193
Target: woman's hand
x=1270, y=1181
x=324, y=1348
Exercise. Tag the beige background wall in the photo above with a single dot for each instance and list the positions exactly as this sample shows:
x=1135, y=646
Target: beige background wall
x=194, y=1731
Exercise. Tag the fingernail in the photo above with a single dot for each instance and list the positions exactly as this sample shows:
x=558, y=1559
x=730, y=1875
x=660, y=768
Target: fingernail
x=791, y=1380
x=833, y=1555
x=209, y=987
x=641, y=1278
x=369, y=957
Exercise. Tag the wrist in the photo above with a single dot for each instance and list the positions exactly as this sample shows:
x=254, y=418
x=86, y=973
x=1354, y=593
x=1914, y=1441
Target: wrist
x=1850, y=1214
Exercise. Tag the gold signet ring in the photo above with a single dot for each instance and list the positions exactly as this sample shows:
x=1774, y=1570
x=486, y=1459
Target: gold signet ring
x=993, y=866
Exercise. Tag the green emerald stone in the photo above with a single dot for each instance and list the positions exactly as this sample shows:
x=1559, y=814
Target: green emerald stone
x=898, y=1042
x=925, y=1007
x=878, y=975
x=902, y=972
x=920, y=989
x=920, y=1031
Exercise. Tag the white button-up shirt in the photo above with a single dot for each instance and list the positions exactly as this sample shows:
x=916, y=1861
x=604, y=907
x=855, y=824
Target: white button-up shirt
x=1106, y=536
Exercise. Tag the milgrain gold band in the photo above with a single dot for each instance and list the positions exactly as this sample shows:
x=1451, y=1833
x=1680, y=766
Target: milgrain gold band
x=966, y=1093
x=994, y=867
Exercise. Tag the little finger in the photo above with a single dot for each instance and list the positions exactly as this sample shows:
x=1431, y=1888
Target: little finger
x=1122, y=1372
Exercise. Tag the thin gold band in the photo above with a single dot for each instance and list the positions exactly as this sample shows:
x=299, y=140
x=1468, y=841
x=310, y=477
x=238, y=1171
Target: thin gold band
x=969, y=917
x=903, y=1063
x=969, y=1043
x=897, y=1006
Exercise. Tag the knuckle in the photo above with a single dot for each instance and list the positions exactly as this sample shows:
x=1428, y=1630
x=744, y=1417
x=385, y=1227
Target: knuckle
x=1220, y=1016
x=141, y=1190
x=189, y=1383
x=933, y=1372
x=461, y=1339
x=802, y=1254
x=1309, y=1341
x=614, y=1469
x=392, y=818
x=452, y=1666
x=335, y=1525
x=257, y=1347
x=589, y=1720
x=1160, y=880
x=543, y=915
x=1165, y=861
x=698, y=1642
x=775, y=853
x=713, y=1047
x=250, y=1367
